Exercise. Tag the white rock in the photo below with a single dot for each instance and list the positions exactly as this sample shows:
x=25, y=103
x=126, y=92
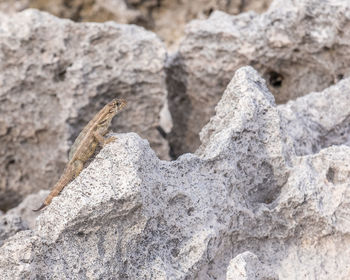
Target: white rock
x=297, y=46
x=10, y=224
x=55, y=75
x=319, y=119
x=25, y=208
x=131, y=215
x=246, y=266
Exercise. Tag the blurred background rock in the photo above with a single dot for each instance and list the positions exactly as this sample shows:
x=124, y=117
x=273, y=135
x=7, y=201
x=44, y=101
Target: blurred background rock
x=167, y=18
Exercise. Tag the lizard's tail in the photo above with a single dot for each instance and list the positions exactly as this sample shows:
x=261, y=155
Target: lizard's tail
x=67, y=176
x=41, y=207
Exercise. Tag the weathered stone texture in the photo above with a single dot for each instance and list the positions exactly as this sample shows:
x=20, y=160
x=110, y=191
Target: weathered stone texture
x=246, y=266
x=25, y=208
x=297, y=46
x=167, y=18
x=10, y=224
x=55, y=75
x=130, y=215
x=319, y=119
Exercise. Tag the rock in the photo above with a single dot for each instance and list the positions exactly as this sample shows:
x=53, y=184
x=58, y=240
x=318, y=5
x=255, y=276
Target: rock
x=247, y=124
x=55, y=75
x=297, y=46
x=132, y=216
x=313, y=217
x=77, y=10
x=246, y=266
x=10, y=224
x=167, y=18
x=19, y=253
x=10, y=7
x=87, y=10
x=24, y=209
x=319, y=119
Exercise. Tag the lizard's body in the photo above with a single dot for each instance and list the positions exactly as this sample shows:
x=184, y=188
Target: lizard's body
x=85, y=146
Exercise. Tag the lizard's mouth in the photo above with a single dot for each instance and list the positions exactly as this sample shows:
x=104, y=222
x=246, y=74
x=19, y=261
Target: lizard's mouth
x=123, y=104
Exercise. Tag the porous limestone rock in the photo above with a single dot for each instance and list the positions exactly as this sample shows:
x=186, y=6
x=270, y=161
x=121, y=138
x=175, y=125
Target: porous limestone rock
x=25, y=208
x=130, y=215
x=246, y=266
x=319, y=119
x=10, y=224
x=297, y=46
x=167, y=18
x=55, y=75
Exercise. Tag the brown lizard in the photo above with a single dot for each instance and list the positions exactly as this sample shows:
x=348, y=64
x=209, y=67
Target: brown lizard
x=85, y=146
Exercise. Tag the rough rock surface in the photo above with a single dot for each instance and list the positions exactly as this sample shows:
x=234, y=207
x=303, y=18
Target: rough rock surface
x=297, y=46
x=319, y=119
x=10, y=224
x=167, y=18
x=130, y=215
x=246, y=266
x=25, y=208
x=55, y=75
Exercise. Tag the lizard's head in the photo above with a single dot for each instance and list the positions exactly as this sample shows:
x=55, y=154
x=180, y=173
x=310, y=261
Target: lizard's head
x=109, y=111
x=116, y=105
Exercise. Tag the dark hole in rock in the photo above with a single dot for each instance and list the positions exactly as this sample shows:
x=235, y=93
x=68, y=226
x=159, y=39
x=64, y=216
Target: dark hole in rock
x=61, y=75
x=330, y=175
x=275, y=79
x=209, y=11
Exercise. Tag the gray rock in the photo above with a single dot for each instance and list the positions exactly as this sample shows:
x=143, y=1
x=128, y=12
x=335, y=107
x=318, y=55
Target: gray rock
x=319, y=119
x=131, y=215
x=246, y=266
x=167, y=18
x=10, y=224
x=9, y=7
x=297, y=46
x=25, y=208
x=19, y=253
x=55, y=75
x=247, y=124
x=310, y=219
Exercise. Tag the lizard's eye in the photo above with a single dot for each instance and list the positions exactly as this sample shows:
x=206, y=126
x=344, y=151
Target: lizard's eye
x=118, y=104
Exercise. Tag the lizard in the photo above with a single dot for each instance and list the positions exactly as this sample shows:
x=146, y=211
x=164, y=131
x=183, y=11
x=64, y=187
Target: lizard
x=85, y=145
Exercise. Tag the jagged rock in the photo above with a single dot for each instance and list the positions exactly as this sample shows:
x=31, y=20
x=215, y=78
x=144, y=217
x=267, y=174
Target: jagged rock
x=55, y=75
x=297, y=46
x=246, y=266
x=24, y=209
x=131, y=215
x=319, y=119
x=247, y=124
x=167, y=18
x=10, y=224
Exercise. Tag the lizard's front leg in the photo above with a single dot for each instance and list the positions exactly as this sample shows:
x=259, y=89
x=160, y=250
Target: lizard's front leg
x=103, y=141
